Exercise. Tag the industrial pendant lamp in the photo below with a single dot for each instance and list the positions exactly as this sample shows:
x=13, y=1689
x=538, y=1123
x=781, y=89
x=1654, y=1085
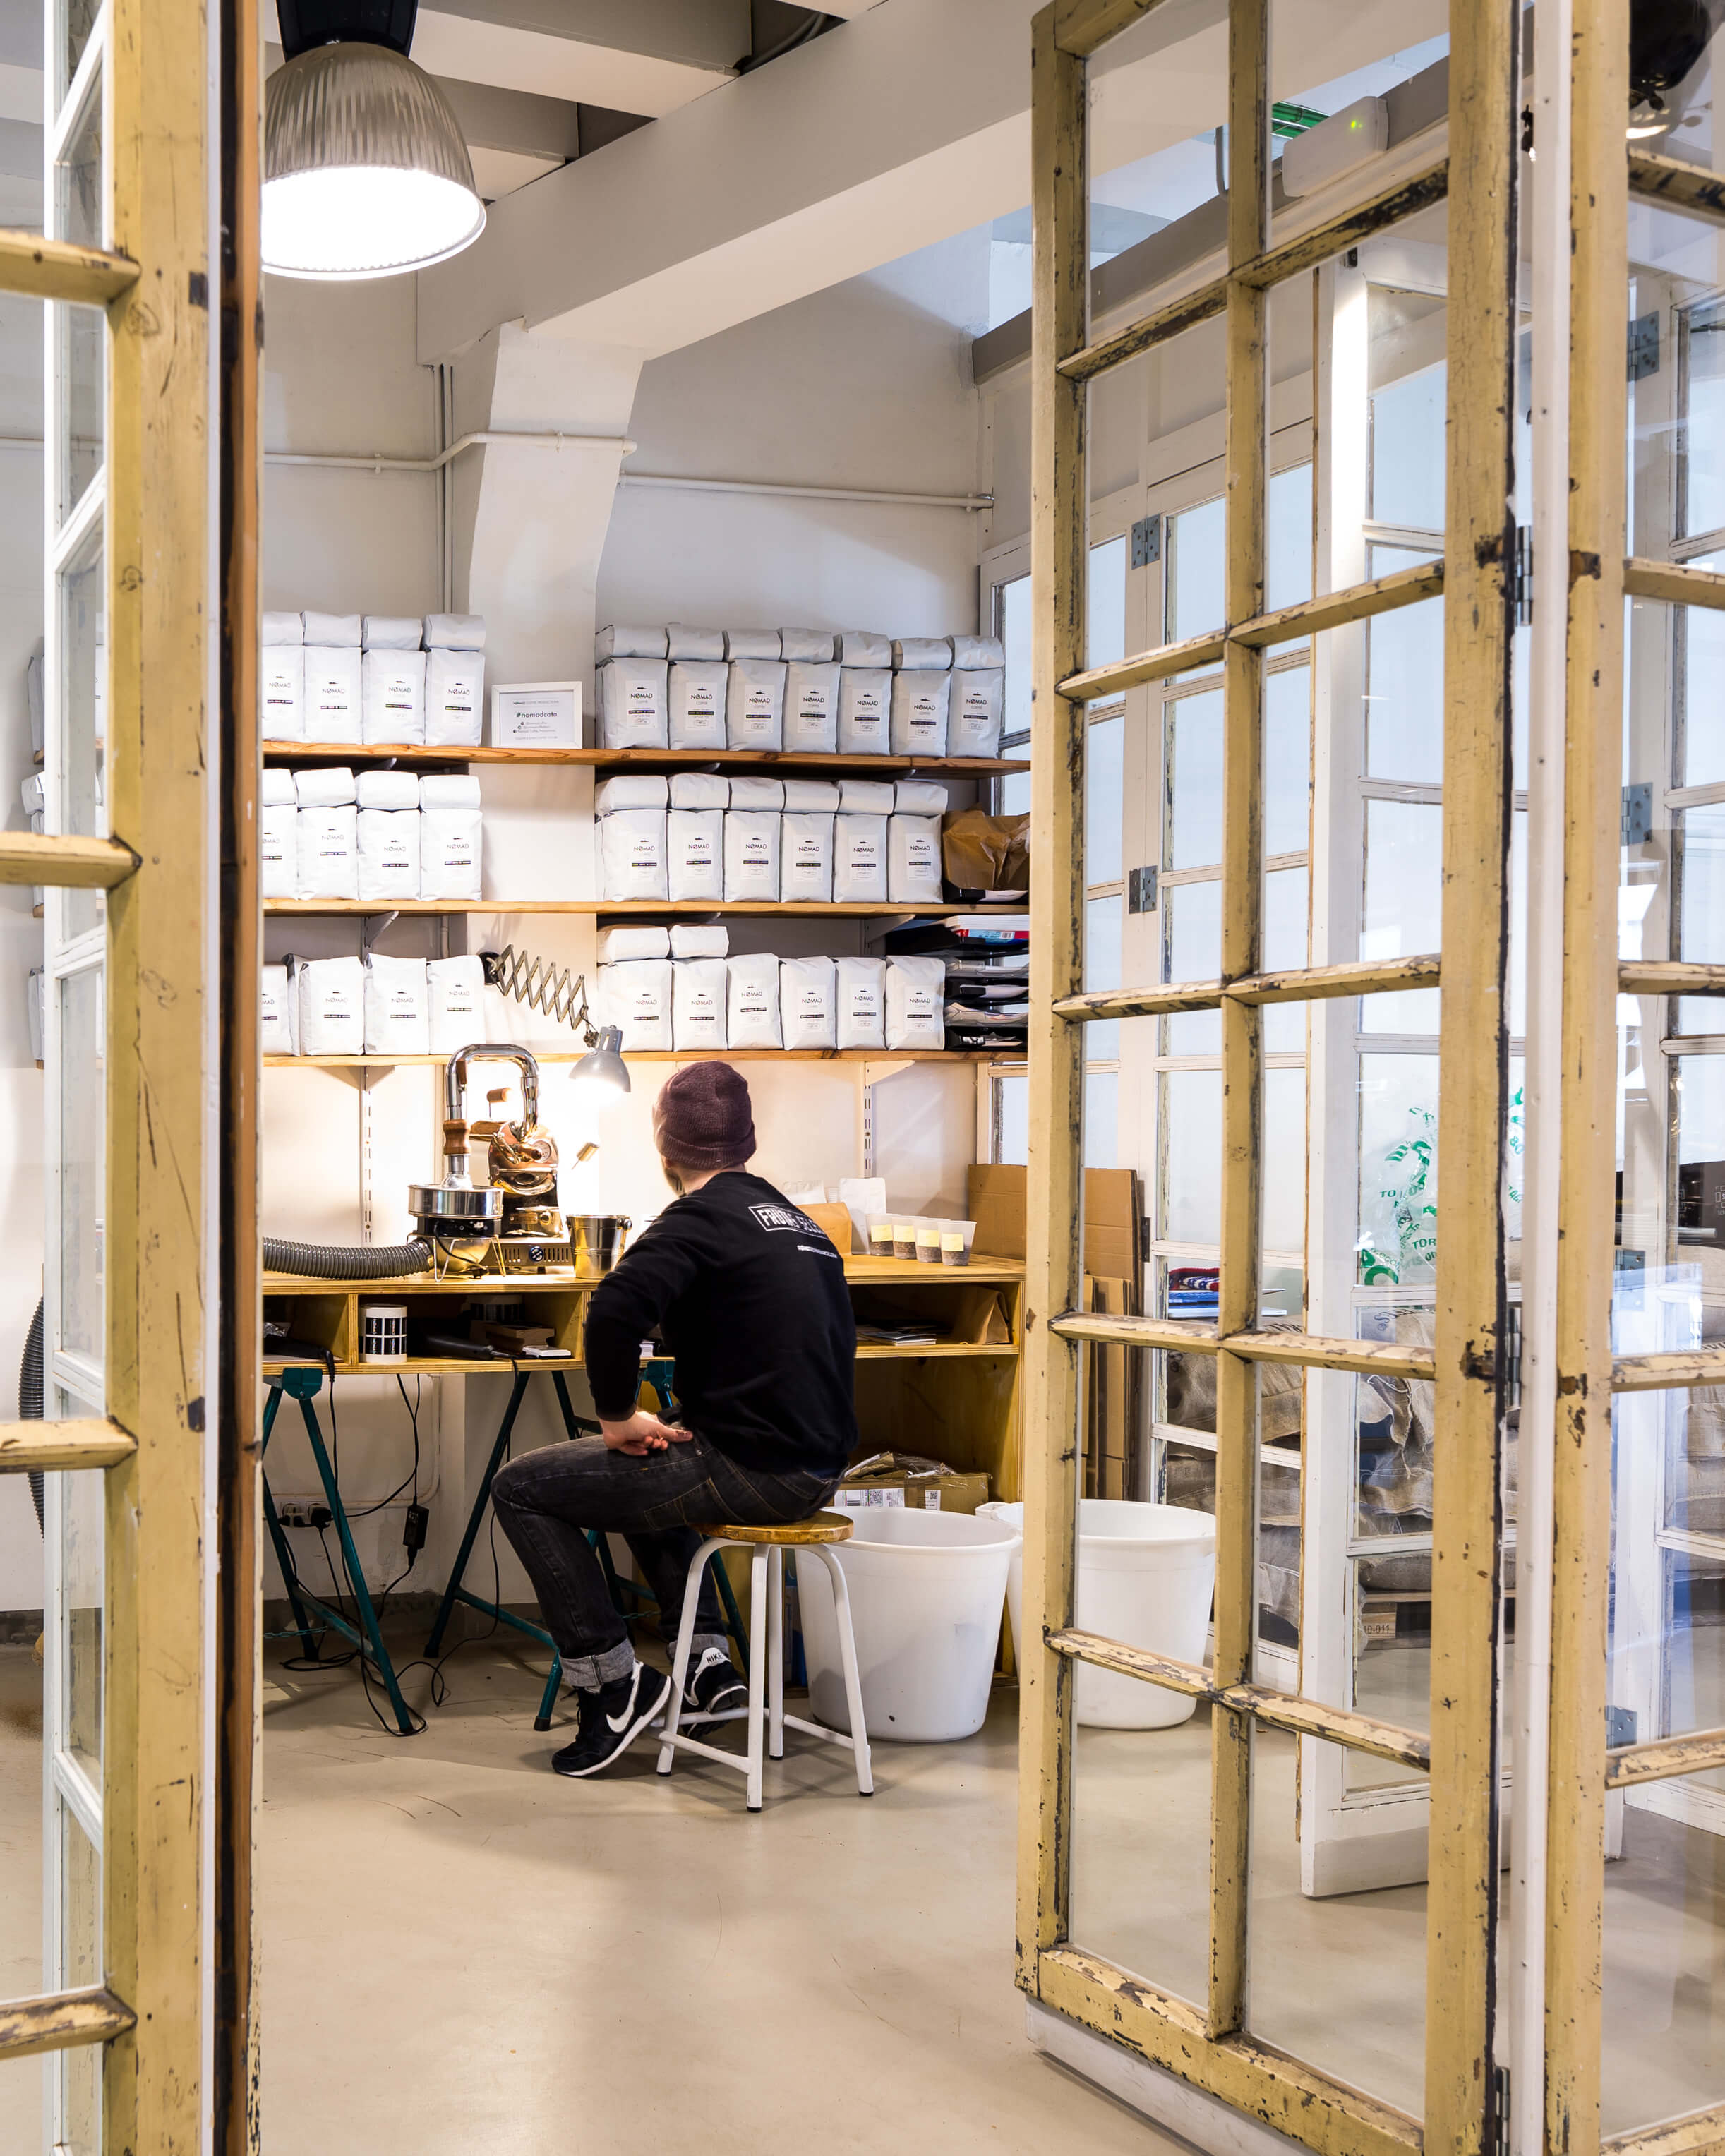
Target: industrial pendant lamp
x=365, y=172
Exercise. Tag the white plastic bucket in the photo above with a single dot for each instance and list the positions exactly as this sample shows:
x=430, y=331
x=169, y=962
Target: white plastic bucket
x=1146, y=1576
x=925, y=1592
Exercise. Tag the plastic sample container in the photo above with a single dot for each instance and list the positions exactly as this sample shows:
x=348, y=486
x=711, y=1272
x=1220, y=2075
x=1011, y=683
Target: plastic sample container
x=1146, y=1576
x=957, y=1237
x=926, y=1593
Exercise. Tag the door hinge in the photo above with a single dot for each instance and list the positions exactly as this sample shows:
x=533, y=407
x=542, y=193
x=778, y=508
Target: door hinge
x=1620, y=1726
x=1522, y=587
x=1637, y=823
x=1141, y=892
x=1500, y=2110
x=1146, y=542
x=1644, y=347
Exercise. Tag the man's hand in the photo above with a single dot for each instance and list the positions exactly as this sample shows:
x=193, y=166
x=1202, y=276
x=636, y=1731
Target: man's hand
x=642, y=1434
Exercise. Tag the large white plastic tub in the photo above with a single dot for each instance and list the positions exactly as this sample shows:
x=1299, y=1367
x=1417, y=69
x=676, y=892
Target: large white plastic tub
x=1146, y=1576
x=926, y=1592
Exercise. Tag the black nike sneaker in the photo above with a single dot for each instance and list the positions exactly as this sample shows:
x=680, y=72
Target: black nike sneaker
x=715, y=1686
x=610, y=1720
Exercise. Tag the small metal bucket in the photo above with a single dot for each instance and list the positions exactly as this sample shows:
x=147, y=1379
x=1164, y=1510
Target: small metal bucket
x=598, y=1238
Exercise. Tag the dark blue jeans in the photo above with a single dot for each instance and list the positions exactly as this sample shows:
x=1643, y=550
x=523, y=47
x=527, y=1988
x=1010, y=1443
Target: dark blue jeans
x=546, y=1500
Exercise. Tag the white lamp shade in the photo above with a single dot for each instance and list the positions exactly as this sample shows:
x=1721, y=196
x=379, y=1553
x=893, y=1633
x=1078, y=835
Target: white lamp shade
x=365, y=172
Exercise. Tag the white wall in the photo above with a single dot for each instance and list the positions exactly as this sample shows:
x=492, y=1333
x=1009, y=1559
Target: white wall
x=866, y=385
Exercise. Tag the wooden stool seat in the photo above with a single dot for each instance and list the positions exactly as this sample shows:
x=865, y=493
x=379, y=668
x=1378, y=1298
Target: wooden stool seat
x=765, y=1714
x=819, y=1528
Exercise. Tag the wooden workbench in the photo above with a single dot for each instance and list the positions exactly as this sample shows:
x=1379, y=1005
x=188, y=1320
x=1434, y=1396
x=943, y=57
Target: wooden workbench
x=955, y=1401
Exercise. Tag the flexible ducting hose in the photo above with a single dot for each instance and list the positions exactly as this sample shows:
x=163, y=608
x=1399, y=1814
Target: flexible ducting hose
x=339, y=1261
x=30, y=1396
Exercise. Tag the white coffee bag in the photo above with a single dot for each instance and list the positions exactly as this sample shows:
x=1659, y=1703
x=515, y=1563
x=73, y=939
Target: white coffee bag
x=697, y=703
x=279, y=850
x=812, y=644
x=700, y=790
x=695, y=854
x=863, y=647
x=455, y=989
x=686, y=643
x=631, y=789
x=632, y=854
x=812, y=797
x=455, y=698
x=387, y=789
x=699, y=939
x=752, y=643
x=751, y=849
x=919, y=797
x=922, y=655
x=811, y=706
x=324, y=786
x=632, y=703
x=916, y=999
x=389, y=843
x=331, y=1000
x=913, y=860
x=754, y=704
x=861, y=990
x=746, y=793
x=392, y=695
x=277, y=996
x=974, y=718
x=698, y=999
x=333, y=696
x=867, y=797
x=920, y=706
x=805, y=861
x=807, y=994
x=636, y=996
x=397, y=1008
x=752, y=1012
x=860, y=860
x=624, y=640
x=449, y=789
x=327, y=864
x=615, y=945
x=450, y=856
x=865, y=711
x=281, y=691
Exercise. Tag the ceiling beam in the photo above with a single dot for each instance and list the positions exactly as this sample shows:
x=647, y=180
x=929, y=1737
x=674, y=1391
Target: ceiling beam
x=514, y=119
x=902, y=127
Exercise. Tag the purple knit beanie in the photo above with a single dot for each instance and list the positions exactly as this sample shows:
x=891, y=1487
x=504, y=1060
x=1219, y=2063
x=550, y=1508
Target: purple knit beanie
x=702, y=1119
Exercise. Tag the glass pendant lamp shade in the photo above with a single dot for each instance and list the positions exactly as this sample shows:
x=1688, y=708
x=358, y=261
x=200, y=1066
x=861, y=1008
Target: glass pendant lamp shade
x=365, y=172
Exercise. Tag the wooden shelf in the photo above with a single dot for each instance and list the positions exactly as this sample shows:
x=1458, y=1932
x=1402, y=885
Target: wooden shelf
x=664, y=1055
x=427, y=1365
x=643, y=759
x=882, y=1351
x=624, y=909
x=860, y=1270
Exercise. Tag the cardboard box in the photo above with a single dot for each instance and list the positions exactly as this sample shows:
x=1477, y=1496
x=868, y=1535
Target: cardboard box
x=895, y=1478
x=835, y=1223
x=1111, y=1226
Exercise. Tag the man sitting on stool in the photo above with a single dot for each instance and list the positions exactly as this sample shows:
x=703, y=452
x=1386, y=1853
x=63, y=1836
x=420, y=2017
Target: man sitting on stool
x=749, y=1298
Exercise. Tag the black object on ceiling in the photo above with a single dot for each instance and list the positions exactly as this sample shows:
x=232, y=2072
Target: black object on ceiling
x=306, y=24
x=1666, y=39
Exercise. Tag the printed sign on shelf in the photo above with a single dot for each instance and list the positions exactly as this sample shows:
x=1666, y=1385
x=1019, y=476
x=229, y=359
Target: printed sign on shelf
x=536, y=714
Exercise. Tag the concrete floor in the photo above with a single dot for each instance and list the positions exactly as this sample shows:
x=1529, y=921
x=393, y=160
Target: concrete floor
x=463, y=1953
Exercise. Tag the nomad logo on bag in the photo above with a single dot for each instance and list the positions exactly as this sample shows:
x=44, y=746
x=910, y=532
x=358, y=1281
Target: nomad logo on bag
x=784, y=1220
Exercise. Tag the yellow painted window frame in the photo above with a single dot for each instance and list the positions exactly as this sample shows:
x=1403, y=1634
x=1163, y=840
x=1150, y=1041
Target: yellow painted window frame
x=153, y=286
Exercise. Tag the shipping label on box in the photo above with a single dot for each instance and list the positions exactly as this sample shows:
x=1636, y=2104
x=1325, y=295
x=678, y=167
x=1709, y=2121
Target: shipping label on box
x=536, y=714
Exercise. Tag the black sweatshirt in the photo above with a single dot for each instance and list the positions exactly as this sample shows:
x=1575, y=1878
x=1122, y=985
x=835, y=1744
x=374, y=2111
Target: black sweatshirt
x=749, y=1296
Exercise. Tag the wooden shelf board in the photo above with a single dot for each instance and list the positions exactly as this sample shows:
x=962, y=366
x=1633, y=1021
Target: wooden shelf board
x=636, y=909
x=661, y=1055
x=641, y=759
x=943, y=1350
x=863, y=1270
x=426, y=1366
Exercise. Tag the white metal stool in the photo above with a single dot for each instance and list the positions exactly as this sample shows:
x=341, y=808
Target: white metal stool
x=765, y=1713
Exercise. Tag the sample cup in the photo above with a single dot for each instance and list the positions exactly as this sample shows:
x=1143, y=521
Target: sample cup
x=903, y=1240
x=928, y=1242
x=957, y=1237
x=880, y=1228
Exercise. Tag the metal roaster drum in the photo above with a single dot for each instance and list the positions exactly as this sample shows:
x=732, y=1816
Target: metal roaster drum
x=462, y=1225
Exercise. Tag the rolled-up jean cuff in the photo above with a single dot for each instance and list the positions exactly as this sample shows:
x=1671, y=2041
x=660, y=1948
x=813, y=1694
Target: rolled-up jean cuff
x=702, y=1641
x=588, y=1672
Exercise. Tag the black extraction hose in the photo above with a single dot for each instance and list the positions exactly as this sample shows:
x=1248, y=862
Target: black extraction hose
x=29, y=1398
x=338, y=1261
